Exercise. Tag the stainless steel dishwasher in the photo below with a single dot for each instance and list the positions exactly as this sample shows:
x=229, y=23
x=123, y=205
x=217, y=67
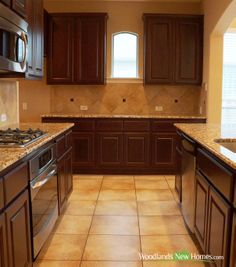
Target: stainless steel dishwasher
x=188, y=180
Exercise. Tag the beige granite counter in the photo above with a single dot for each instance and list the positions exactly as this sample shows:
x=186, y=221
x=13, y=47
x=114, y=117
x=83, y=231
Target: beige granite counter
x=87, y=115
x=205, y=134
x=9, y=156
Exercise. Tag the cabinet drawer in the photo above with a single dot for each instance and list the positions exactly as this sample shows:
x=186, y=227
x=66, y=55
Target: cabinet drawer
x=109, y=125
x=164, y=126
x=137, y=125
x=15, y=181
x=1, y=194
x=84, y=125
x=61, y=146
x=219, y=176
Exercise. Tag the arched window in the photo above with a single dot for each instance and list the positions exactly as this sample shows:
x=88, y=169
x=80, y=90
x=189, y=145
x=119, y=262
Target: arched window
x=125, y=55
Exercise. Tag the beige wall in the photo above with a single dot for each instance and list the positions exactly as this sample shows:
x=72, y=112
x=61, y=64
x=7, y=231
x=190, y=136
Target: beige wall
x=123, y=16
x=9, y=102
x=218, y=17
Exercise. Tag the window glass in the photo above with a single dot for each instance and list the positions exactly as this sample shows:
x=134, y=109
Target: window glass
x=229, y=79
x=124, y=61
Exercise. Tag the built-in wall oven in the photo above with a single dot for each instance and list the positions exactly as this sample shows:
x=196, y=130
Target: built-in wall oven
x=43, y=195
x=13, y=41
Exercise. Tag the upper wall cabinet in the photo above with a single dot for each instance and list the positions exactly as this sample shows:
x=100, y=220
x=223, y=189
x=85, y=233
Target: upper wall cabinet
x=173, y=49
x=35, y=39
x=20, y=7
x=76, y=48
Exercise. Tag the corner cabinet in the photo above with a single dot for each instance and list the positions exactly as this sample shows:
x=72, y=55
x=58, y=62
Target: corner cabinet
x=173, y=48
x=76, y=48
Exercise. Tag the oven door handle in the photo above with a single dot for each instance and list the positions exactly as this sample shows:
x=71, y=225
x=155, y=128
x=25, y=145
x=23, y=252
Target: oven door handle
x=38, y=184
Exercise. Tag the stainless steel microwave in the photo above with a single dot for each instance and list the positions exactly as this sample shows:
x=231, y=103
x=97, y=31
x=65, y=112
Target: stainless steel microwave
x=13, y=41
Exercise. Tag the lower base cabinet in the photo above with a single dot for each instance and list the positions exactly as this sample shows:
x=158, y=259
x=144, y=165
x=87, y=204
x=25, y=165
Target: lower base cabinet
x=3, y=242
x=219, y=218
x=65, y=182
x=163, y=150
x=233, y=243
x=212, y=221
x=18, y=232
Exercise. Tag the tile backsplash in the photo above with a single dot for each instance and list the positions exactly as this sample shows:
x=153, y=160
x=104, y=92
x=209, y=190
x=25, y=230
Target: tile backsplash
x=9, y=103
x=126, y=99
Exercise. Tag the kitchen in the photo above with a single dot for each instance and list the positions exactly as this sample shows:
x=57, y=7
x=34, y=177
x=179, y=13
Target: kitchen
x=115, y=161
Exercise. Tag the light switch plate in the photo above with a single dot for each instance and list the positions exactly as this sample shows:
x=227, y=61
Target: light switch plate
x=24, y=106
x=3, y=117
x=159, y=108
x=83, y=107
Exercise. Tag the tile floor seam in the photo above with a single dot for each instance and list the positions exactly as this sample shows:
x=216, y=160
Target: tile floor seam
x=140, y=242
x=91, y=222
x=172, y=192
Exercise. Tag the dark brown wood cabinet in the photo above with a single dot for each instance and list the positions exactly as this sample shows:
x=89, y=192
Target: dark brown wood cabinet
x=83, y=149
x=77, y=48
x=163, y=150
x=158, y=50
x=69, y=176
x=3, y=242
x=233, y=243
x=90, y=41
x=123, y=145
x=110, y=149
x=35, y=39
x=6, y=2
x=20, y=7
x=218, y=238
x=60, y=54
x=18, y=232
x=136, y=149
x=201, y=210
x=188, y=50
x=173, y=49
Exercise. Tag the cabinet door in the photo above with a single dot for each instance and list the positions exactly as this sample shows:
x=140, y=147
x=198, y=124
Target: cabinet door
x=18, y=232
x=60, y=50
x=219, y=215
x=136, y=149
x=159, y=60
x=110, y=149
x=62, y=186
x=189, y=47
x=233, y=244
x=90, y=49
x=3, y=242
x=20, y=7
x=83, y=149
x=163, y=150
x=69, y=177
x=35, y=39
x=6, y=2
x=201, y=209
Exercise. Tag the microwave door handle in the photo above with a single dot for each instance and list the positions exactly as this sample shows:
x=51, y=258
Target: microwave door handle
x=24, y=38
x=44, y=181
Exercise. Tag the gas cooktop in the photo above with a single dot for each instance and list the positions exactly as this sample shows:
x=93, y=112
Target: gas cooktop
x=19, y=138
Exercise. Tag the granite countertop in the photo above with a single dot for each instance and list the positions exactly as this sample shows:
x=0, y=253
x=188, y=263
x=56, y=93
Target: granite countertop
x=205, y=134
x=87, y=115
x=9, y=156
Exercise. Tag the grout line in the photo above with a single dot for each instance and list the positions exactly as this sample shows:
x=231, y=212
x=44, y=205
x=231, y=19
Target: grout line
x=91, y=222
x=140, y=242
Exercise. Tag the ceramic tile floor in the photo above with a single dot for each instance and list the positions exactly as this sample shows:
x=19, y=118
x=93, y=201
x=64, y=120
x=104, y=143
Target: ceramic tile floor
x=109, y=220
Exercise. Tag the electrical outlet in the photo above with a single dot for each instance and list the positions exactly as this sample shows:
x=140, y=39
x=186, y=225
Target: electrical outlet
x=24, y=106
x=205, y=87
x=159, y=108
x=83, y=107
x=3, y=117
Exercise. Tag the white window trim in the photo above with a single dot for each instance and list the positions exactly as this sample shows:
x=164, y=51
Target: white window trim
x=113, y=79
